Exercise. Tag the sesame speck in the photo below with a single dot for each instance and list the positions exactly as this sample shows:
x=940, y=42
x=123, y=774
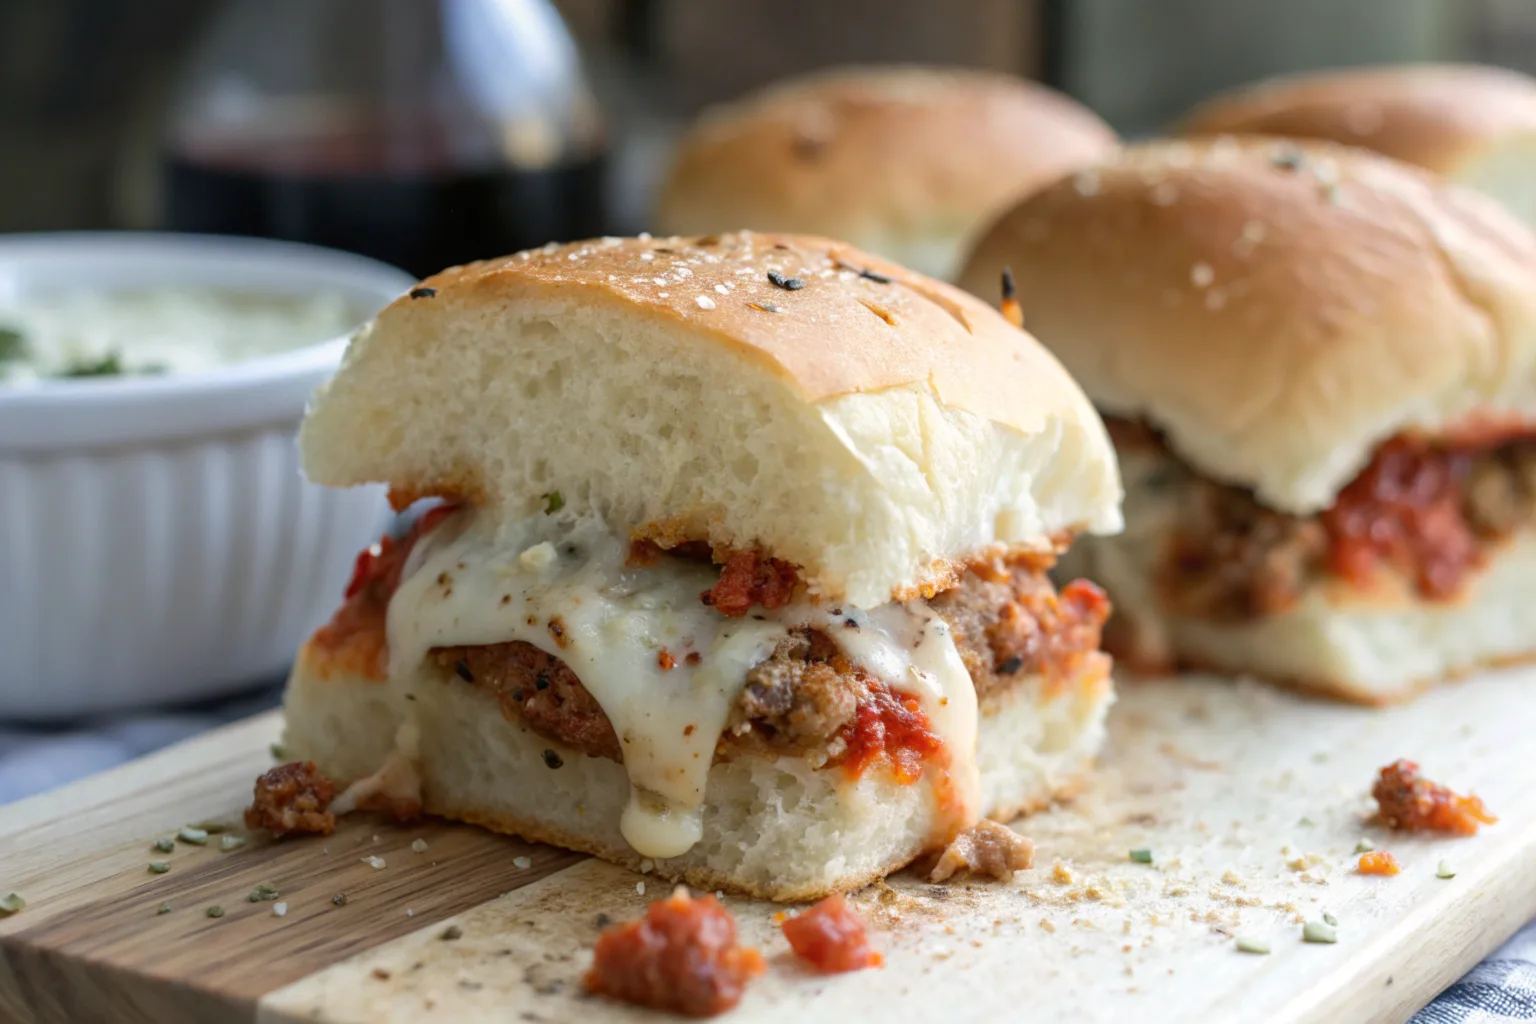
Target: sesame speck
x=1086, y=183
x=279, y=909
x=418, y=846
x=1165, y=193
x=705, y=302
x=1201, y=275
x=640, y=888
x=522, y=863
x=377, y=863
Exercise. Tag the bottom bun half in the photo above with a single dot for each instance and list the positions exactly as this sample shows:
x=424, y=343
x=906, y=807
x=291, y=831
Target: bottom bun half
x=774, y=828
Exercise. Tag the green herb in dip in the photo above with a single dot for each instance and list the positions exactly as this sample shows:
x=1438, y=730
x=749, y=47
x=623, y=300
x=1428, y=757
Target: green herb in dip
x=157, y=330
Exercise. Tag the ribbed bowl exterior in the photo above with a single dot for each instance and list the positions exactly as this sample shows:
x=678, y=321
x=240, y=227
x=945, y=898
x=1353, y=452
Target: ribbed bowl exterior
x=152, y=574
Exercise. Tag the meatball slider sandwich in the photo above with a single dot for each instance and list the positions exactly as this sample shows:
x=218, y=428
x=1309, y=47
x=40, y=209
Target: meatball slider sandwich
x=1474, y=124
x=1320, y=366
x=738, y=566
x=908, y=162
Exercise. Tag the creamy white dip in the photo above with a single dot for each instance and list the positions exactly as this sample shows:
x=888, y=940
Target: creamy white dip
x=157, y=330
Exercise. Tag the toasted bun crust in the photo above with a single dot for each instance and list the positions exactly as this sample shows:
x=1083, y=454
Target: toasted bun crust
x=1276, y=309
x=871, y=430
x=908, y=162
x=774, y=828
x=1473, y=123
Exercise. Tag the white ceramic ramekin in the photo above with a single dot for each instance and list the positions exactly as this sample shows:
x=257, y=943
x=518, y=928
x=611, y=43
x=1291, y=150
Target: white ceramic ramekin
x=157, y=541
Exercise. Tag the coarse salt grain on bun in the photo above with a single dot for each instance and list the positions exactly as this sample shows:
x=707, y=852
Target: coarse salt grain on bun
x=1275, y=309
x=1474, y=124
x=865, y=423
x=908, y=162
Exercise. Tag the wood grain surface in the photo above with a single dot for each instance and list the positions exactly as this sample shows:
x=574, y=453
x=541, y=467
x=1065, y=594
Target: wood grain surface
x=1251, y=801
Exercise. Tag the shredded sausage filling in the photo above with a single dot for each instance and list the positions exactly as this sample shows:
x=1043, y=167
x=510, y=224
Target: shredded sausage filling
x=1429, y=514
x=807, y=699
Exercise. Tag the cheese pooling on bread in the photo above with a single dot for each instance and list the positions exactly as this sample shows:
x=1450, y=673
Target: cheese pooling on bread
x=565, y=585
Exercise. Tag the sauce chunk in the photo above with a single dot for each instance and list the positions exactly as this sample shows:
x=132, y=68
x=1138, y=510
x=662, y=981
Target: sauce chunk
x=831, y=937
x=682, y=957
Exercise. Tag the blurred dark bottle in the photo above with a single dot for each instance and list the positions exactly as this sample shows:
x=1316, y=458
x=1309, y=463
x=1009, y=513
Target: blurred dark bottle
x=424, y=133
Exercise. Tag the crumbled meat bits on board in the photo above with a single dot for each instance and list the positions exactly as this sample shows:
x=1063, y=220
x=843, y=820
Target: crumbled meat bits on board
x=1411, y=803
x=682, y=956
x=293, y=799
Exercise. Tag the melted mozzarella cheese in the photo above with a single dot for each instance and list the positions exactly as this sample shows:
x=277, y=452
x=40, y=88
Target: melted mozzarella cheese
x=562, y=585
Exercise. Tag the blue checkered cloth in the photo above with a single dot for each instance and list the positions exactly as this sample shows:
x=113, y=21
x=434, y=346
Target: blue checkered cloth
x=1501, y=988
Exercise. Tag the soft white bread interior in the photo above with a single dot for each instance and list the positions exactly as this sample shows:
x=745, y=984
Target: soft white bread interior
x=1372, y=647
x=908, y=162
x=863, y=422
x=1473, y=123
x=1275, y=309
x=774, y=828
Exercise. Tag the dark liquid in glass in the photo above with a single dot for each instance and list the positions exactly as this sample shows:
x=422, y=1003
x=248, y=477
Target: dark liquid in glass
x=420, y=218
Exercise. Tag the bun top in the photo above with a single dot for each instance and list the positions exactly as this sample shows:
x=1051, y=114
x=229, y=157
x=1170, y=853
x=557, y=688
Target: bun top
x=785, y=393
x=1441, y=116
x=909, y=162
x=1277, y=309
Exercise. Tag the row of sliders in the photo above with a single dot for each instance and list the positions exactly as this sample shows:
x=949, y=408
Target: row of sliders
x=1308, y=333
x=759, y=562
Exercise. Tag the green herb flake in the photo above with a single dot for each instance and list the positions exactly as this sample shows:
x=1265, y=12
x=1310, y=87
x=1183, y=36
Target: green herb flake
x=193, y=835
x=228, y=843
x=1141, y=856
x=1444, y=870
x=279, y=752
x=164, y=908
x=261, y=892
x=213, y=828
x=1305, y=823
x=13, y=345
x=554, y=501
x=109, y=365
x=11, y=903
x=339, y=900
x=1330, y=919
x=158, y=867
x=1364, y=845
x=214, y=911
x=1319, y=931
x=1251, y=944
x=165, y=845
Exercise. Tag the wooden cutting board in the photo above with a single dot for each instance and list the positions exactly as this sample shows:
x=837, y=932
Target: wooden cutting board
x=1251, y=802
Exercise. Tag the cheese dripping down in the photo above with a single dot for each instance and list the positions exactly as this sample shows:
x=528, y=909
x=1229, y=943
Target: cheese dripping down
x=562, y=584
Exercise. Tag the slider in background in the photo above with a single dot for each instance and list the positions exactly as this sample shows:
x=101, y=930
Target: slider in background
x=1319, y=366
x=906, y=162
x=1472, y=123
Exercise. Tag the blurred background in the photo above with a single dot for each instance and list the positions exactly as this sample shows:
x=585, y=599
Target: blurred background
x=227, y=116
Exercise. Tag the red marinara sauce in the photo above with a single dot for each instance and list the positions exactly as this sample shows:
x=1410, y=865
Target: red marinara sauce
x=356, y=632
x=1405, y=510
x=682, y=956
x=1411, y=803
x=831, y=937
x=889, y=726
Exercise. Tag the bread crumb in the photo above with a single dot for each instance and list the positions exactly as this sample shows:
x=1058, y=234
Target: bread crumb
x=1061, y=873
x=522, y=863
x=418, y=846
x=640, y=888
x=377, y=863
x=279, y=909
